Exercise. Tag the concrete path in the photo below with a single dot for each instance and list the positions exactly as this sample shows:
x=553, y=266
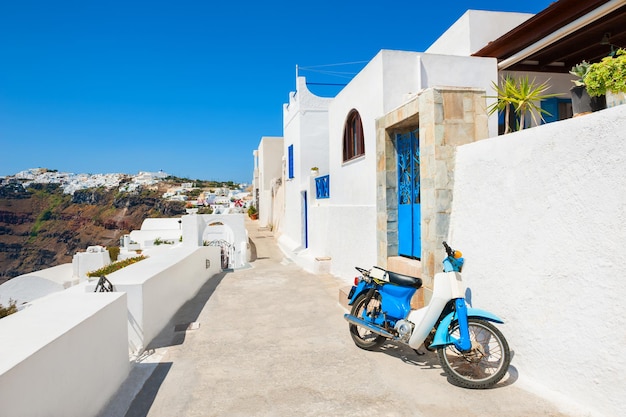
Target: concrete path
x=272, y=341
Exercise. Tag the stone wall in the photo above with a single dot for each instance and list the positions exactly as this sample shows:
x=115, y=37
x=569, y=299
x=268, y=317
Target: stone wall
x=447, y=118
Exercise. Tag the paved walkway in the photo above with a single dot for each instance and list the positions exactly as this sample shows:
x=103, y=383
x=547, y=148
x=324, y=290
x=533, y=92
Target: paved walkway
x=272, y=341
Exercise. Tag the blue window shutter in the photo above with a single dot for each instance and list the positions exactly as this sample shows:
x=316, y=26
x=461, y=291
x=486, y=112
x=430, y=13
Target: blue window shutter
x=322, y=187
x=291, y=161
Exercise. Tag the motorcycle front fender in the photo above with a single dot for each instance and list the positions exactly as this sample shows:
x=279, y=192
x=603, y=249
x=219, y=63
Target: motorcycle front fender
x=442, y=337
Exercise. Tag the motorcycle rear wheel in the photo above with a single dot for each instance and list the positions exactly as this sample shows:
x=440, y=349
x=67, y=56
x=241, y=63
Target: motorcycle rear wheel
x=485, y=364
x=363, y=337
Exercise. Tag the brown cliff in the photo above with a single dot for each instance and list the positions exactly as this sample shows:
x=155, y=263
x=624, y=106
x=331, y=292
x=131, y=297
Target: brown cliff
x=41, y=227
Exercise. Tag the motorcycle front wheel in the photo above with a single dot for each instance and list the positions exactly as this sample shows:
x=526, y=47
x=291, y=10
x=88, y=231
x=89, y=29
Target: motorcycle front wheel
x=484, y=364
x=364, y=309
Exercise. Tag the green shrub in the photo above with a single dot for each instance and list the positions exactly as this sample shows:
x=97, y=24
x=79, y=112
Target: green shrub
x=114, y=252
x=607, y=75
x=5, y=311
x=158, y=241
x=115, y=266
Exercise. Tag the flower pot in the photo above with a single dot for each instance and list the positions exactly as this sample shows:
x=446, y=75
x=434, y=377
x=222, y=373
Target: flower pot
x=583, y=103
x=615, y=99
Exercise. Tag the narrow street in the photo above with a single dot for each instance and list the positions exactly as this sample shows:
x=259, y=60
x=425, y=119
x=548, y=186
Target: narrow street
x=271, y=341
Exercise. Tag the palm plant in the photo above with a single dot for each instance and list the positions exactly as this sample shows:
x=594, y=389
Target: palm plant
x=524, y=96
x=503, y=93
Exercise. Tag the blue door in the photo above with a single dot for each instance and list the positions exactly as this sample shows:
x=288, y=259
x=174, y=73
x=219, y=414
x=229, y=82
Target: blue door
x=409, y=228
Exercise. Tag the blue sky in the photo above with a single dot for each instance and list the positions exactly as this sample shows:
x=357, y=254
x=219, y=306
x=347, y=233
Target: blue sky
x=188, y=87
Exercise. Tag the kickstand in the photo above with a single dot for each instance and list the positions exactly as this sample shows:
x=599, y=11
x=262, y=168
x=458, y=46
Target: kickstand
x=418, y=353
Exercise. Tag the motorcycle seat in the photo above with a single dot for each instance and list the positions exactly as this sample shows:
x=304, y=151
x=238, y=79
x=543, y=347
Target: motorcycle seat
x=404, y=280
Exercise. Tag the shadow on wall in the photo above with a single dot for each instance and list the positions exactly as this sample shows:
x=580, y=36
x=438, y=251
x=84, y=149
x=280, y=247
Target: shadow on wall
x=253, y=253
x=174, y=332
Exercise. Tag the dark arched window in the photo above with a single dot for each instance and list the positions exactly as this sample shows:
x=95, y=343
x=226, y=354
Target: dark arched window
x=353, y=142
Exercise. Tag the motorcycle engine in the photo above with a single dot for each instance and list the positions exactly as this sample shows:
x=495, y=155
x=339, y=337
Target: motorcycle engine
x=404, y=329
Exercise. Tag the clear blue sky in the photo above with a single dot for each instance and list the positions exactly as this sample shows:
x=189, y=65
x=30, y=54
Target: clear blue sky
x=186, y=86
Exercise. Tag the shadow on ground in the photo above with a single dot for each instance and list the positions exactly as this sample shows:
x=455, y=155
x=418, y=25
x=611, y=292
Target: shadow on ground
x=174, y=332
x=140, y=406
x=429, y=360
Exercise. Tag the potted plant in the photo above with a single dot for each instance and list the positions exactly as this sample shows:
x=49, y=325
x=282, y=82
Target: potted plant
x=608, y=77
x=252, y=212
x=191, y=209
x=582, y=102
x=522, y=96
x=315, y=171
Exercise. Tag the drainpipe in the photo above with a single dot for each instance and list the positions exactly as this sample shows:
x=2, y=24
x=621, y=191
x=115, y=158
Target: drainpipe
x=561, y=33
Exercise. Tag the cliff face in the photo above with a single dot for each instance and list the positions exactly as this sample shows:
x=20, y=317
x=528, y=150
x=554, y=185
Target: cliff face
x=41, y=227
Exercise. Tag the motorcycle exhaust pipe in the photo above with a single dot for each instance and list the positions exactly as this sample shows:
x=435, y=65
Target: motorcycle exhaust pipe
x=362, y=323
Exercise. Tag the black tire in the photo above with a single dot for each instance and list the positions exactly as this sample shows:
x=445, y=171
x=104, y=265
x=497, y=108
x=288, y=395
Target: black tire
x=485, y=364
x=362, y=337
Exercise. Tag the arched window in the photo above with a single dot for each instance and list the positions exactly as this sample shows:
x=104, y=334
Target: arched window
x=353, y=142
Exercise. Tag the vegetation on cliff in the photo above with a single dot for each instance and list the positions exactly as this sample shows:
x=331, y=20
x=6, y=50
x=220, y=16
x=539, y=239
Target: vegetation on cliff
x=41, y=227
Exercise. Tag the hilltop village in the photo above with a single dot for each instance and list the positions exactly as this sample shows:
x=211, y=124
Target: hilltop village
x=47, y=216
x=199, y=192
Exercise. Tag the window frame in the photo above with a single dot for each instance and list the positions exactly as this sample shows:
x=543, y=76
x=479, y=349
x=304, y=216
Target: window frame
x=290, y=170
x=353, y=144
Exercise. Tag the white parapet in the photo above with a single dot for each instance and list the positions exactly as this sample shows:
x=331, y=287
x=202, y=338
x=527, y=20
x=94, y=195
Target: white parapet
x=65, y=355
x=158, y=286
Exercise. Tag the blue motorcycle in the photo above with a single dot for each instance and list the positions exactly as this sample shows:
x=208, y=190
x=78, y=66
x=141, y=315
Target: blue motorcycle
x=472, y=351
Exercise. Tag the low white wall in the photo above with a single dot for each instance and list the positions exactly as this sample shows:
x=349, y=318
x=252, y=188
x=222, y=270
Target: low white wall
x=539, y=216
x=158, y=286
x=93, y=259
x=65, y=355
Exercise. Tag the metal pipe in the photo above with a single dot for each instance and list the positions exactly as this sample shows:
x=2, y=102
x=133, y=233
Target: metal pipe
x=375, y=329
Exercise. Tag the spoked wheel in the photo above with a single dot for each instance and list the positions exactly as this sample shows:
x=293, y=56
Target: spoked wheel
x=364, y=338
x=484, y=364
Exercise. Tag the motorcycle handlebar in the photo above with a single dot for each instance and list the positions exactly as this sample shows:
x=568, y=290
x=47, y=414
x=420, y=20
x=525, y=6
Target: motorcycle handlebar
x=449, y=250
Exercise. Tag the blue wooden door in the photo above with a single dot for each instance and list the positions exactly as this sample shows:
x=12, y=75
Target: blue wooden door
x=409, y=227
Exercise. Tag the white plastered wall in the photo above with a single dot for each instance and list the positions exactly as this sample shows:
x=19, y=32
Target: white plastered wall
x=305, y=126
x=474, y=30
x=347, y=221
x=539, y=215
x=270, y=153
x=65, y=355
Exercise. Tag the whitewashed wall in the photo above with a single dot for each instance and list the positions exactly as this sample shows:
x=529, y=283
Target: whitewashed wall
x=270, y=154
x=65, y=355
x=158, y=286
x=540, y=216
x=305, y=126
x=388, y=81
x=474, y=30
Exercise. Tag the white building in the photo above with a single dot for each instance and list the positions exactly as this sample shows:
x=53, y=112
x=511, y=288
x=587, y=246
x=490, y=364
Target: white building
x=268, y=161
x=438, y=100
x=305, y=130
x=339, y=225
